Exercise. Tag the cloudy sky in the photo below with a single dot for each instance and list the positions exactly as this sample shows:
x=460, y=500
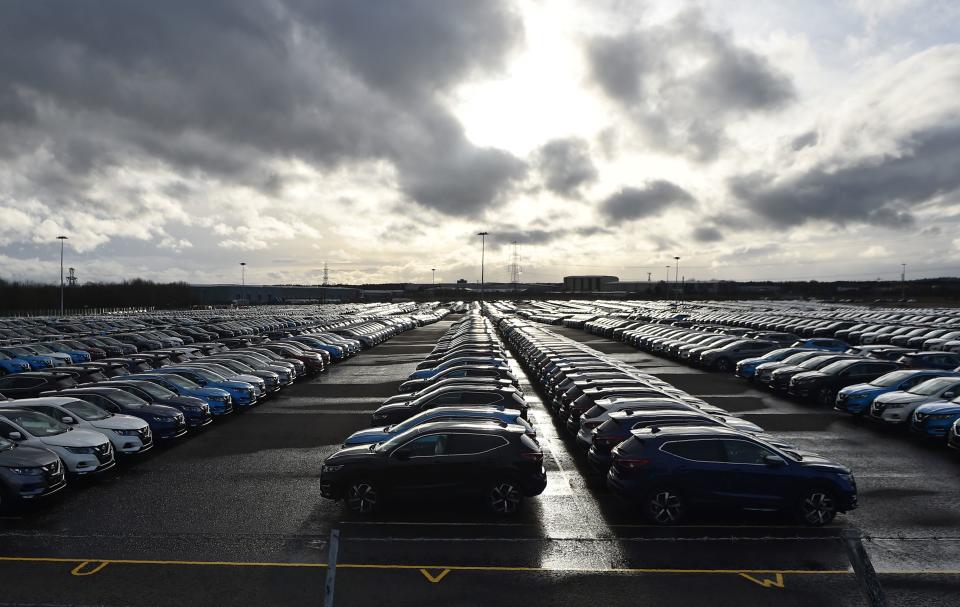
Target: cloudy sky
x=173, y=140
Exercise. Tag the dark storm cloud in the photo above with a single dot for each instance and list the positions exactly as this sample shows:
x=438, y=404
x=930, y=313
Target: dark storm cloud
x=805, y=140
x=651, y=199
x=881, y=192
x=500, y=237
x=646, y=72
x=221, y=88
x=707, y=234
x=565, y=166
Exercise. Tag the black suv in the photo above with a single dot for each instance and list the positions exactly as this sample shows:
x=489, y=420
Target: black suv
x=492, y=459
x=32, y=383
x=824, y=384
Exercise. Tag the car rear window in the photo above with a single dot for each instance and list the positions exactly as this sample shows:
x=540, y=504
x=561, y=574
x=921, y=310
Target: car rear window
x=634, y=446
x=595, y=411
x=611, y=425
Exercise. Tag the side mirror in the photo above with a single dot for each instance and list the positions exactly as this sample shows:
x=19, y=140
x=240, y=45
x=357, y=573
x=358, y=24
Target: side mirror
x=68, y=420
x=949, y=395
x=774, y=461
x=15, y=436
x=402, y=454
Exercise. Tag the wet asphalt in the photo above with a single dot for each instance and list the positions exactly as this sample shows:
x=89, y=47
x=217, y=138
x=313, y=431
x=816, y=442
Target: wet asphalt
x=233, y=516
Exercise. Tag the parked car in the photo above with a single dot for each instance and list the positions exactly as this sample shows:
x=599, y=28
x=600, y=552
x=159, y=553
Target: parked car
x=671, y=471
x=496, y=461
x=30, y=384
x=856, y=399
x=897, y=408
x=84, y=452
x=934, y=420
x=219, y=400
x=747, y=367
x=931, y=360
x=824, y=384
x=724, y=359
x=129, y=435
x=195, y=410
x=166, y=423
x=35, y=360
x=28, y=473
x=383, y=433
x=489, y=396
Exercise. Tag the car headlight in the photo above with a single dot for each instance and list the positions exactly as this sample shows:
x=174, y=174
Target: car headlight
x=126, y=432
x=27, y=471
x=325, y=468
x=220, y=398
x=80, y=450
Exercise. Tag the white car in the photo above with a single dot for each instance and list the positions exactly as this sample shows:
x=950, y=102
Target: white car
x=898, y=407
x=128, y=434
x=83, y=451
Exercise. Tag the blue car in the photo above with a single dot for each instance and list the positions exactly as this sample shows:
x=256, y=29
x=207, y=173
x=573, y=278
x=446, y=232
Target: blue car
x=856, y=399
x=747, y=367
x=383, y=433
x=672, y=471
x=36, y=361
x=458, y=362
x=242, y=393
x=934, y=420
x=76, y=356
x=42, y=350
x=826, y=344
x=10, y=364
x=219, y=400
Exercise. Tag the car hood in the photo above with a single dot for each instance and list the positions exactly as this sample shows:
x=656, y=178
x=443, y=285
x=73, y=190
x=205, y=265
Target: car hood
x=368, y=436
x=391, y=408
x=240, y=385
x=349, y=454
x=940, y=406
x=211, y=392
x=901, y=397
x=772, y=366
x=27, y=457
x=753, y=361
x=862, y=390
x=812, y=460
x=74, y=438
x=744, y=425
x=399, y=398
x=120, y=422
x=161, y=410
x=808, y=375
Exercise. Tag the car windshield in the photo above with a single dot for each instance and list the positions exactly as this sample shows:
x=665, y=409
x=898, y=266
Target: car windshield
x=86, y=411
x=127, y=399
x=154, y=390
x=41, y=348
x=180, y=382
x=4, y=356
x=37, y=424
x=891, y=379
x=933, y=386
x=814, y=362
x=220, y=369
x=799, y=357
x=21, y=351
x=205, y=374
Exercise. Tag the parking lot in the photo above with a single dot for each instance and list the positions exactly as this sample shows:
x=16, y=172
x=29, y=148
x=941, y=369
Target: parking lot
x=235, y=514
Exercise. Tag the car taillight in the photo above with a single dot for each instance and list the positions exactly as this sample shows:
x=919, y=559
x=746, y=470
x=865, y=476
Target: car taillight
x=533, y=456
x=631, y=463
x=606, y=441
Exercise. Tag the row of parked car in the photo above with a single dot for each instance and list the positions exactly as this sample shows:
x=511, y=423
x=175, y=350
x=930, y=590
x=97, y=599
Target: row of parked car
x=665, y=450
x=78, y=420
x=459, y=426
x=881, y=379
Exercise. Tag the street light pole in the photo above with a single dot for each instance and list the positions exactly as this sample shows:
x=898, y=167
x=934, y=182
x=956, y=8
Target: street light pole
x=243, y=281
x=903, y=281
x=483, y=249
x=433, y=279
x=61, y=239
x=677, y=277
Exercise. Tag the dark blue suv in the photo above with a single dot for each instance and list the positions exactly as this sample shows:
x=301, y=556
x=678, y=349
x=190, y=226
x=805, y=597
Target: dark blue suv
x=672, y=470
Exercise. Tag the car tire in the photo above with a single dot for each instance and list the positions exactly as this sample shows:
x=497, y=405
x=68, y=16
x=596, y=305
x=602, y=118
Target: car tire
x=665, y=506
x=723, y=365
x=362, y=497
x=817, y=507
x=503, y=497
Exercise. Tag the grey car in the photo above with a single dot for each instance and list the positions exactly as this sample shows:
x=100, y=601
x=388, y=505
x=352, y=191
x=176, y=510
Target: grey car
x=27, y=473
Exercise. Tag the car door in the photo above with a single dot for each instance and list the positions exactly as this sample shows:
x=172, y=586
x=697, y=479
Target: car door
x=751, y=482
x=696, y=467
x=471, y=459
x=417, y=467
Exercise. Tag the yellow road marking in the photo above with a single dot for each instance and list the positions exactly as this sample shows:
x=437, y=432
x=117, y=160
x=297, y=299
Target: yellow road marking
x=81, y=569
x=435, y=579
x=776, y=582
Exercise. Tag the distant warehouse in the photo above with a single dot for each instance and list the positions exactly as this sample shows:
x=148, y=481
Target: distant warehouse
x=273, y=294
x=580, y=284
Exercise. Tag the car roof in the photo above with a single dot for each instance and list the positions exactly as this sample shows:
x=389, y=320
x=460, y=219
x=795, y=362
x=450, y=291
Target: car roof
x=480, y=425
x=688, y=432
x=629, y=414
x=45, y=400
x=91, y=390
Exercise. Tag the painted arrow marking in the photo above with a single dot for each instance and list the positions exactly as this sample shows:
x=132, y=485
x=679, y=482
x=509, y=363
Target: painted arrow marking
x=434, y=579
x=776, y=582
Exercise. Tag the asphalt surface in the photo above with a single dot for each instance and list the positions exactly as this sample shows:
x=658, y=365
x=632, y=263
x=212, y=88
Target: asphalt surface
x=234, y=517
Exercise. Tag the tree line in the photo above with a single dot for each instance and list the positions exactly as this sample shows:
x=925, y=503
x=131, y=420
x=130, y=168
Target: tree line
x=26, y=296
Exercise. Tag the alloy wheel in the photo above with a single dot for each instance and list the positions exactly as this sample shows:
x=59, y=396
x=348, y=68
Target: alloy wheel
x=362, y=497
x=665, y=506
x=818, y=508
x=504, y=498
x=723, y=365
